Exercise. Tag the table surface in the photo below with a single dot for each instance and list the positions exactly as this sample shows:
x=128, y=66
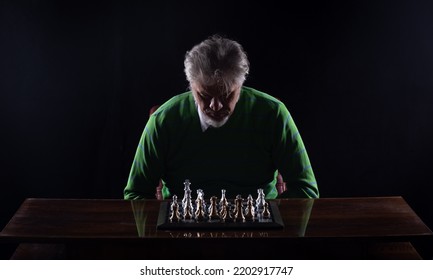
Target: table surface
x=63, y=220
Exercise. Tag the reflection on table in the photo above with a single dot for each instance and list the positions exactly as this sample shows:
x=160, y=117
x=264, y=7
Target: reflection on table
x=325, y=228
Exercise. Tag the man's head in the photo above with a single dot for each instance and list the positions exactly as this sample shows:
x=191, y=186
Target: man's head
x=216, y=69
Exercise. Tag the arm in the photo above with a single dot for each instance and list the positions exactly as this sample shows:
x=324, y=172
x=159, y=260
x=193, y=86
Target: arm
x=291, y=158
x=146, y=169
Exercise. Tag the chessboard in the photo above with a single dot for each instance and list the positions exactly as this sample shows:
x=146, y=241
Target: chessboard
x=219, y=213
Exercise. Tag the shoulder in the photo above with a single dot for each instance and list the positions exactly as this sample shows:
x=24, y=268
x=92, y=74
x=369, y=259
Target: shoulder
x=174, y=103
x=262, y=101
x=179, y=107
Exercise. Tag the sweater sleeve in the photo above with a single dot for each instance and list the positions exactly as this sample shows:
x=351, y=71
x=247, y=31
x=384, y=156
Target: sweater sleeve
x=146, y=169
x=291, y=158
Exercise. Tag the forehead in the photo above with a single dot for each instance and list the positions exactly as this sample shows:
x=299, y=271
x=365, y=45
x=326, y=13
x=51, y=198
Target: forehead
x=214, y=90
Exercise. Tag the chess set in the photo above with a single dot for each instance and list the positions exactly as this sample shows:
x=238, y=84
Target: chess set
x=222, y=213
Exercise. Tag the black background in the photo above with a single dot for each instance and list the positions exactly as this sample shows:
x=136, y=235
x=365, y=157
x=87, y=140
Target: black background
x=77, y=79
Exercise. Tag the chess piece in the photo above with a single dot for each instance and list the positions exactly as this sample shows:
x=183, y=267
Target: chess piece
x=200, y=196
x=223, y=199
x=239, y=213
x=213, y=211
x=199, y=212
x=174, y=208
x=187, y=194
x=249, y=209
x=173, y=202
x=186, y=201
x=265, y=213
x=260, y=201
x=225, y=212
x=187, y=211
x=250, y=200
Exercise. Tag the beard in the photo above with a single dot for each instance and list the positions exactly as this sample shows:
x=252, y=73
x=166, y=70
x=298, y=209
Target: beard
x=215, y=123
x=218, y=121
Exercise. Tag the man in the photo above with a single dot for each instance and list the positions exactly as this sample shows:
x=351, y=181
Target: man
x=220, y=135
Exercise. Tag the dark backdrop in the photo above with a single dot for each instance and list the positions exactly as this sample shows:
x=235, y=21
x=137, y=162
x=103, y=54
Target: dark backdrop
x=79, y=77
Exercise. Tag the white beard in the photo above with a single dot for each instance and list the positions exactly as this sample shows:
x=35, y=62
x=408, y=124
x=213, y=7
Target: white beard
x=215, y=123
x=206, y=121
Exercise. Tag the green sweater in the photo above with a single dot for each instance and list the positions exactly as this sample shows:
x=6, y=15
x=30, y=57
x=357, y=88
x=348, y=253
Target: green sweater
x=259, y=140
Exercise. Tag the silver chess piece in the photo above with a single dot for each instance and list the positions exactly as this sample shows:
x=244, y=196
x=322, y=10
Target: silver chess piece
x=213, y=211
x=187, y=212
x=249, y=209
x=238, y=215
x=265, y=213
x=199, y=212
x=173, y=201
x=200, y=195
x=225, y=212
x=260, y=201
x=174, y=208
x=187, y=193
x=223, y=199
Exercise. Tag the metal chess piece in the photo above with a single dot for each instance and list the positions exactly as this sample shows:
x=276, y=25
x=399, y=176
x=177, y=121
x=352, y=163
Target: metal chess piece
x=186, y=202
x=200, y=195
x=249, y=209
x=187, y=194
x=187, y=212
x=260, y=201
x=238, y=213
x=174, y=201
x=199, y=212
x=225, y=212
x=213, y=211
x=250, y=200
x=174, y=207
x=223, y=199
x=265, y=213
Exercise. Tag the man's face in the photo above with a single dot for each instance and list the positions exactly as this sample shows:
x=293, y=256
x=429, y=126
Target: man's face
x=216, y=104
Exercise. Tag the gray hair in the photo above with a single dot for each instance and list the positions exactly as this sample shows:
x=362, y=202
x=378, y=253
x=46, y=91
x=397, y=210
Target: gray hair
x=217, y=60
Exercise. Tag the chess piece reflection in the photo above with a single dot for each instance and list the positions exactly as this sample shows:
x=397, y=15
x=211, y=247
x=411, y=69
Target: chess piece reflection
x=238, y=212
x=213, y=211
x=174, y=208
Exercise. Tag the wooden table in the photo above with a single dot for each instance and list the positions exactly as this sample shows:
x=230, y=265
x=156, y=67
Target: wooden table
x=325, y=228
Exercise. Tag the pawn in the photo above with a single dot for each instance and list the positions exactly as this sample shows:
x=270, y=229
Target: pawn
x=175, y=214
x=199, y=212
x=250, y=201
x=225, y=212
x=213, y=211
x=249, y=210
x=234, y=203
x=173, y=202
x=265, y=213
x=238, y=213
x=200, y=196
